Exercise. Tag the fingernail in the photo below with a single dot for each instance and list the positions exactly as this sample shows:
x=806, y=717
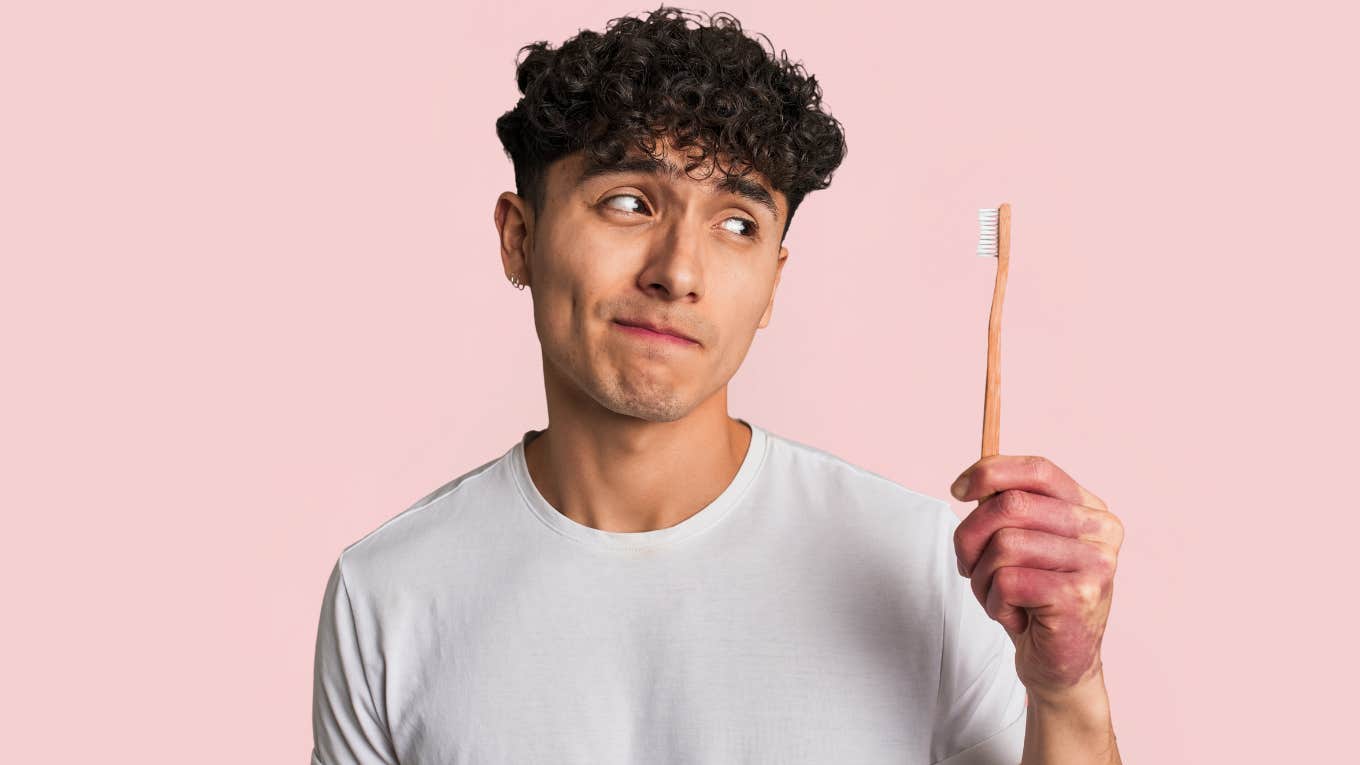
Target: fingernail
x=960, y=487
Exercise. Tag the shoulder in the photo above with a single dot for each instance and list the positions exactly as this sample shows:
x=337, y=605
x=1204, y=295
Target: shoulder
x=424, y=530
x=877, y=534
x=854, y=493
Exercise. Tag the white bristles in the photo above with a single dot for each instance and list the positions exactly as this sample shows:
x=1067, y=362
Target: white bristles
x=987, y=219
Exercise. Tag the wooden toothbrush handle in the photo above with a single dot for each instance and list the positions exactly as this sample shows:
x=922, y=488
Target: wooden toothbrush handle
x=991, y=408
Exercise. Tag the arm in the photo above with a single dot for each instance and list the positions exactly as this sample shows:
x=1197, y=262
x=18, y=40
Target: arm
x=347, y=726
x=1073, y=727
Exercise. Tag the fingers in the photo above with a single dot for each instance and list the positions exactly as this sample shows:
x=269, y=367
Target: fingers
x=1018, y=509
x=999, y=472
x=1015, y=588
x=1069, y=609
x=1033, y=549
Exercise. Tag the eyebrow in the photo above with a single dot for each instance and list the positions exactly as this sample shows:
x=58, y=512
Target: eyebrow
x=649, y=165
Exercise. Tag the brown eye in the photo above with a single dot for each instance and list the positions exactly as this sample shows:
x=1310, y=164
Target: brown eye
x=751, y=227
x=622, y=196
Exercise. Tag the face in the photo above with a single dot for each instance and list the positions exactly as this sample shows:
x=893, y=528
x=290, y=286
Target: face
x=688, y=253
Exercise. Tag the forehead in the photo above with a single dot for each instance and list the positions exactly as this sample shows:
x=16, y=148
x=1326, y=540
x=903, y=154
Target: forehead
x=752, y=187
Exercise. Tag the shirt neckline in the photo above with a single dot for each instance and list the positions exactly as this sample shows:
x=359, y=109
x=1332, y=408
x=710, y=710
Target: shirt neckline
x=709, y=515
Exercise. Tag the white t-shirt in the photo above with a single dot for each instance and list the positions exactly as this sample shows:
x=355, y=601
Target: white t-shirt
x=812, y=613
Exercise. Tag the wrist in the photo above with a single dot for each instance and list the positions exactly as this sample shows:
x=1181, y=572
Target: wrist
x=1084, y=705
x=1070, y=725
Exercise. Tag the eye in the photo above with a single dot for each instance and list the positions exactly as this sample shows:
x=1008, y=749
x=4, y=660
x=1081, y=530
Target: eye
x=750, y=231
x=623, y=196
x=751, y=227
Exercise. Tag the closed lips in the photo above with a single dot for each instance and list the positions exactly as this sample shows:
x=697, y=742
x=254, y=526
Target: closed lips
x=655, y=328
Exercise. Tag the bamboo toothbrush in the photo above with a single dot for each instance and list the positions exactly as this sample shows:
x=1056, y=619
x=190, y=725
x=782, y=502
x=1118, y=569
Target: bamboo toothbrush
x=994, y=241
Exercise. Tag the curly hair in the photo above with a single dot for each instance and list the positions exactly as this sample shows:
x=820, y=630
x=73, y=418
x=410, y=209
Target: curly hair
x=710, y=87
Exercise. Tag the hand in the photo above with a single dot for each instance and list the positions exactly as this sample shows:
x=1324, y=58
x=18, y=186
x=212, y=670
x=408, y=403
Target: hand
x=1041, y=553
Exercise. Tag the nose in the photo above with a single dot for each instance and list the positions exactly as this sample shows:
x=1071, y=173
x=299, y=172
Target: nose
x=674, y=268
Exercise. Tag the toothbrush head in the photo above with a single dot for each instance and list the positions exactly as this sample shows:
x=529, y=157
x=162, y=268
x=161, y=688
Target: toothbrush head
x=987, y=231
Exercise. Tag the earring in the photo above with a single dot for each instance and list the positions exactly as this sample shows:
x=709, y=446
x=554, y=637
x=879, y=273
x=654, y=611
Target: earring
x=515, y=281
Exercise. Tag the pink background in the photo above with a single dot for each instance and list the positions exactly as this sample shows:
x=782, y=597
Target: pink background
x=252, y=307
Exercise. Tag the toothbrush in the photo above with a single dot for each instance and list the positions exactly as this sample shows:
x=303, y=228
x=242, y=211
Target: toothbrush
x=994, y=241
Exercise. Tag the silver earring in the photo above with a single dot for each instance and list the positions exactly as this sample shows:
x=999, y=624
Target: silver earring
x=515, y=281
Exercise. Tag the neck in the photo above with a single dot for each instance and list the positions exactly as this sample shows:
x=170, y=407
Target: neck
x=624, y=474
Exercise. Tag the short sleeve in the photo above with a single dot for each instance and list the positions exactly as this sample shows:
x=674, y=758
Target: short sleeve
x=346, y=726
x=981, y=711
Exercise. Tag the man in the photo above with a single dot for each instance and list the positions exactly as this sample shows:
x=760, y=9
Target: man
x=649, y=580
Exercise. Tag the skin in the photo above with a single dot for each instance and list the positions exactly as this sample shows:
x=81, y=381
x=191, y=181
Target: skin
x=638, y=428
x=1040, y=552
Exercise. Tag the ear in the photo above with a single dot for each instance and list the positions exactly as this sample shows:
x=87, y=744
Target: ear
x=514, y=227
x=778, y=269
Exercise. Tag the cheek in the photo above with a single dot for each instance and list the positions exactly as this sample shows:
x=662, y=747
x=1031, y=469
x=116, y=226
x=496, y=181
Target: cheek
x=756, y=299
x=585, y=267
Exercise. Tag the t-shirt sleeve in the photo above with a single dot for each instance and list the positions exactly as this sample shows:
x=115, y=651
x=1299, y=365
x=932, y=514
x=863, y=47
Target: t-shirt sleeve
x=347, y=728
x=981, y=705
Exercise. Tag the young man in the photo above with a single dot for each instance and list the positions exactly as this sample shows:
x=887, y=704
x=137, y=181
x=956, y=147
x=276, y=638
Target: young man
x=649, y=580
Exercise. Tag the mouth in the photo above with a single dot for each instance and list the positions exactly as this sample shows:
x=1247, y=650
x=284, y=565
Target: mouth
x=644, y=332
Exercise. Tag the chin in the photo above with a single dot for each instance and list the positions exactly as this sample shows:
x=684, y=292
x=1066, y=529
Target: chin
x=649, y=408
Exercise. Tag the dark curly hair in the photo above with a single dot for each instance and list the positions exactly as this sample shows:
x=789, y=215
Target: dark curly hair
x=711, y=86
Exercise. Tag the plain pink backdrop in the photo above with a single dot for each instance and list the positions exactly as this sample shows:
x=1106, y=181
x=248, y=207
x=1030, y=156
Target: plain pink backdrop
x=252, y=307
